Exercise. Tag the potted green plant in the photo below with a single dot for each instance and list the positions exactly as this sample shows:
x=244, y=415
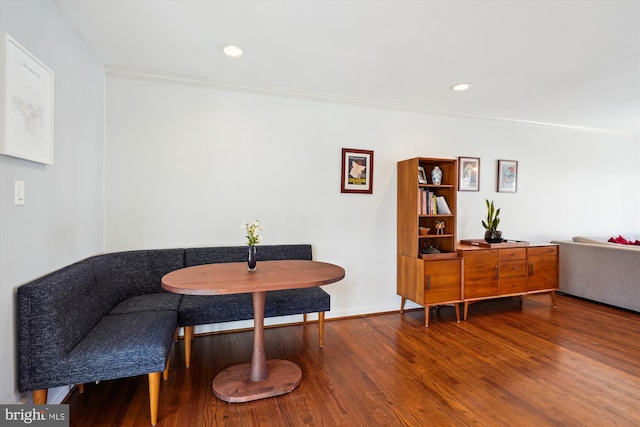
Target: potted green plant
x=492, y=235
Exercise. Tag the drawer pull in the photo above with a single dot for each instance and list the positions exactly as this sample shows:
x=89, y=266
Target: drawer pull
x=531, y=269
x=428, y=283
x=496, y=272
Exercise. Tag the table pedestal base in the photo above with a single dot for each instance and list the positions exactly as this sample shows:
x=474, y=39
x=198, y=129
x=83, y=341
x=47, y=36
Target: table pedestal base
x=233, y=384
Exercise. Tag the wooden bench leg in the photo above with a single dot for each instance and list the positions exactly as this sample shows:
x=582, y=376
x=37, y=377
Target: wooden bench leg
x=304, y=317
x=321, y=327
x=188, y=336
x=154, y=395
x=40, y=396
x=80, y=388
x=175, y=334
x=165, y=373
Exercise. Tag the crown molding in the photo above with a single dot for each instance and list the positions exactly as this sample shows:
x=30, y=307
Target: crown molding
x=149, y=75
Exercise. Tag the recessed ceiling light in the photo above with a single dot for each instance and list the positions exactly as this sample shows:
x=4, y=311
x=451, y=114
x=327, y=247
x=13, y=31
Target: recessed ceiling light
x=232, y=51
x=460, y=87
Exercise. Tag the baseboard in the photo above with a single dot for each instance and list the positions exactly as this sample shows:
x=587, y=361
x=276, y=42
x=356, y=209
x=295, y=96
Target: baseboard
x=56, y=395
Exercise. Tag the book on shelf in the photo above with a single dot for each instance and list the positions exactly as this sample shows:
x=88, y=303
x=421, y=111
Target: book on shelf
x=427, y=203
x=442, y=205
x=422, y=201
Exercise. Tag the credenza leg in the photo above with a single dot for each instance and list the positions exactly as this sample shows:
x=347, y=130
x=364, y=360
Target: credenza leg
x=426, y=316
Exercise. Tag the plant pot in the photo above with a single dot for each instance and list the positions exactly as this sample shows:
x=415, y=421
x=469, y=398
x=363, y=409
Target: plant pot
x=493, y=236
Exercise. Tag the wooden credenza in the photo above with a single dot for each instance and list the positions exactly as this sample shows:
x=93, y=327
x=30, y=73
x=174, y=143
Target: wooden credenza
x=500, y=270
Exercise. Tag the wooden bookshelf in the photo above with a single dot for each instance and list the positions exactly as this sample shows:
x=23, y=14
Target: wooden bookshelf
x=427, y=279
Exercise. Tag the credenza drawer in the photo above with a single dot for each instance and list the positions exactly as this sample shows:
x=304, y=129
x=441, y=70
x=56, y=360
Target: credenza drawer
x=515, y=268
x=513, y=285
x=513, y=253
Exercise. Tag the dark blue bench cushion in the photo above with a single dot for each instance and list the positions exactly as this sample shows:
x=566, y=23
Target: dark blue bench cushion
x=202, y=310
x=118, y=346
x=123, y=275
x=214, y=255
x=148, y=302
x=54, y=313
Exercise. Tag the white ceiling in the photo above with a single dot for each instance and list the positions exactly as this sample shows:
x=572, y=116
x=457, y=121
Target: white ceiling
x=562, y=62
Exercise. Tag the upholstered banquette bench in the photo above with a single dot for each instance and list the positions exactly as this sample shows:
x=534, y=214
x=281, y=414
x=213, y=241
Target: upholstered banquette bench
x=107, y=317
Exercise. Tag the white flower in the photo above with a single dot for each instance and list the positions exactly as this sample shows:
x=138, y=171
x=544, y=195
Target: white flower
x=253, y=231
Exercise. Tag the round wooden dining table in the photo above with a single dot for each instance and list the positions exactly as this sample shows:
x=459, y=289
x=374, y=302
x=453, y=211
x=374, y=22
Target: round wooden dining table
x=261, y=378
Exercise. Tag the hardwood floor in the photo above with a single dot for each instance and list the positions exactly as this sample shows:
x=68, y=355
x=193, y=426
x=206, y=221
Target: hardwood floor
x=515, y=362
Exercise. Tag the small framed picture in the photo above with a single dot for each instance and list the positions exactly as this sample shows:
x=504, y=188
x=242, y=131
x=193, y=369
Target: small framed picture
x=357, y=171
x=468, y=174
x=507, y=176
x=422, y=175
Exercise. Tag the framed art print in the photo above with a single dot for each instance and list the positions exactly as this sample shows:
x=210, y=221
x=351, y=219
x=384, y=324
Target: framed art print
x=507, y=176
x=422, y=175
x=26, y=109
x=468, y=173
x=357, y=171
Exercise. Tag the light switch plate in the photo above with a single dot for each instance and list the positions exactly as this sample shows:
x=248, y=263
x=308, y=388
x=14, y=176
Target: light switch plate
x=19, y=193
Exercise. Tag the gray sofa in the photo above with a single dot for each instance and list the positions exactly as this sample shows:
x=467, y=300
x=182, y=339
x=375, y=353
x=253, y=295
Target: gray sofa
x=600, y=271
x=107, y=317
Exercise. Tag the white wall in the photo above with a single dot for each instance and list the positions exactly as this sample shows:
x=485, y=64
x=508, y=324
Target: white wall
x=62, y=220
x=185, y=165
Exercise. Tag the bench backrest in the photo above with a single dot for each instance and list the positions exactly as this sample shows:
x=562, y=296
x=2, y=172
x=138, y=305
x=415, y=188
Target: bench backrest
x=121, y=275
x=213, y=255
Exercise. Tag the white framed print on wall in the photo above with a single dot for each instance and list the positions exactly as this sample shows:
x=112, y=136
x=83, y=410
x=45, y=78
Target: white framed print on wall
x=507, y=176
x=26, y=107
x=468, y=173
